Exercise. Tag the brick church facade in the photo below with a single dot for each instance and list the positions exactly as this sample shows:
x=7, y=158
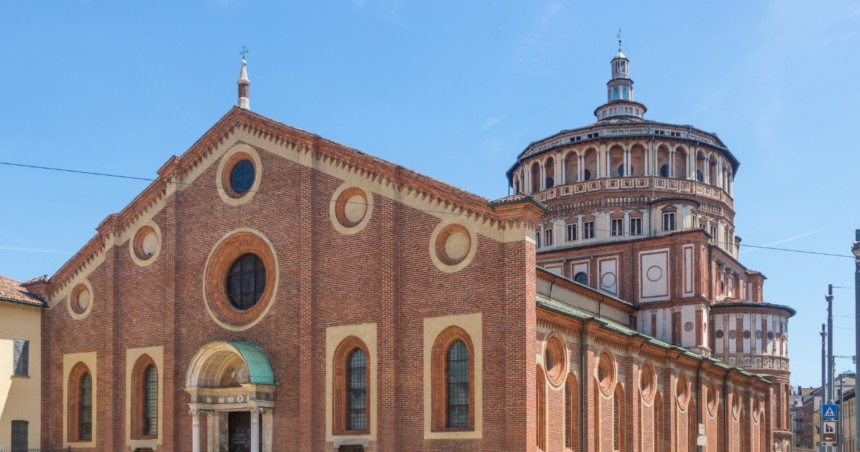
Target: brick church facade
x=277, y=291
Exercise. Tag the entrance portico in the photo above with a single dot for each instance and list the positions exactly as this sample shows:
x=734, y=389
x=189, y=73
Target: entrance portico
x=231, y=377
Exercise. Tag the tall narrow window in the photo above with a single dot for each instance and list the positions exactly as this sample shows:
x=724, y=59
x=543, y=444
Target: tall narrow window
x=21, y=358
x=635, y=226
x=624, y=93
x=617, y=227
x=618, y=419
x=571, y=232
x=537, y=240
x=658, y=423
x=541, y=409
x=86, y=408
x=357, y=391
x=668, y=221
x=20, y=436
x=615, y=93
x=567, y=414
x=150, y=402
x=458, y=385
x=589, y=230
x=548, y=235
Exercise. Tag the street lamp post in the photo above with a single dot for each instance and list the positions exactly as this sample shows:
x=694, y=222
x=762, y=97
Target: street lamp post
x=855, y=249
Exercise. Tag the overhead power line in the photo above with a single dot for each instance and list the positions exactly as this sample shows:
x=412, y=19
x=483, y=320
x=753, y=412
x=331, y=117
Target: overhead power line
x=191, y=184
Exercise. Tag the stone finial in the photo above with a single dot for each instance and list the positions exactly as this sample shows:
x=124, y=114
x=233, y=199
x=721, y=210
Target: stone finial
x=244, y=84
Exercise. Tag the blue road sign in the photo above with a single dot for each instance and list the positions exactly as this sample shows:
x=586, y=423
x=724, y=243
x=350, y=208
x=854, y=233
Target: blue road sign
x=830, y=412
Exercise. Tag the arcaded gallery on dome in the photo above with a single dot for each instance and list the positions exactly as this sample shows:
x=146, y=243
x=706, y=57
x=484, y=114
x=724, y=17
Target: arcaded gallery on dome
x=276, y=291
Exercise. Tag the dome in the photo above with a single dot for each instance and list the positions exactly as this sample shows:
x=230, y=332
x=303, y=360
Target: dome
x=620, y=55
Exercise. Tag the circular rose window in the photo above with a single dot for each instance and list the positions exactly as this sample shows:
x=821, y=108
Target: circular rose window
x=746, y=334
x=555, y=359
x=240, y=279
x=648, y=382
x=712, y=398
x=351, y=207
x=453, y=244
x=719, y=334
x=733, y=334
x=606, y=372
x=758, y=334
x=688, y=326
x=80, y=299
x=682, y=390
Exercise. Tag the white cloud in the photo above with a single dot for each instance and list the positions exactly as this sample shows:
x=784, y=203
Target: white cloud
x=490, y=122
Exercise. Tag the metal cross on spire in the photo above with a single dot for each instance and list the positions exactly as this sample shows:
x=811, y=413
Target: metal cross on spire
x=244, y=50
x=619, y=39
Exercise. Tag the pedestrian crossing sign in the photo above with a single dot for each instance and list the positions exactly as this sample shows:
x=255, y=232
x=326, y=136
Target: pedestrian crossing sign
x=830, y=412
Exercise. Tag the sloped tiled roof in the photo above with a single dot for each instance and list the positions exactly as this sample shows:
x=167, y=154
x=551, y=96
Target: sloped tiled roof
x=13, y=291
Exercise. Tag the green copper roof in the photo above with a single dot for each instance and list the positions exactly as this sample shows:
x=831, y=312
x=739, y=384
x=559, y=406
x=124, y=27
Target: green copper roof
x=259, y=367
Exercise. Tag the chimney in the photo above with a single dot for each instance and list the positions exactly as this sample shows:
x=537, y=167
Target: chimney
x=244, y=84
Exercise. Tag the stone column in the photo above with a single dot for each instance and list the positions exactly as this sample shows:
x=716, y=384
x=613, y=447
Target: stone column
x=624, y=162
x=541, y=178
x=672, y=163
x=255, y=429
x=599, y=157
x=687, y=164
x=559, y=169
x=212, y=425
x=195, y=430
x=707, y=168
x=563, y=164
x=579, y=230
x=267, y=429
x=608, y=163
x=646, y=226
x=626, y=224
x=540, y=236
x=580, y=170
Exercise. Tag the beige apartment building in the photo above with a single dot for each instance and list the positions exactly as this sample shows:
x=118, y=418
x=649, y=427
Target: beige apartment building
x=20, y=365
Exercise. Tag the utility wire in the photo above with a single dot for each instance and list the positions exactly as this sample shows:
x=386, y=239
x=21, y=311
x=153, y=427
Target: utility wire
x=190, y=184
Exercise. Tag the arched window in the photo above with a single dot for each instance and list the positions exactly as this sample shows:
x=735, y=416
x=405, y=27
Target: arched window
x=144, y=410
x=356, y=381
x=618, y=419
x=581, y=278
x=351, y=386
x=540, y=384
x=80, y=415
x=587, y=175
x=664, y=171
x=453, y=381
x=458, y=385
x=86, y=408
x=658, y=422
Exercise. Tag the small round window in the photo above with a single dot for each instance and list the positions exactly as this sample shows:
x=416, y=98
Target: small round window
x=581, y=278
x=242, y=177
x=246, y=281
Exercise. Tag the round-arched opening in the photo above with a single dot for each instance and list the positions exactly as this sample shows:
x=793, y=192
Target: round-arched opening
x=581, y=278
x=81, y=298
x=453, y=244
x=712, y=398
x=351, y=207
x=145, y=243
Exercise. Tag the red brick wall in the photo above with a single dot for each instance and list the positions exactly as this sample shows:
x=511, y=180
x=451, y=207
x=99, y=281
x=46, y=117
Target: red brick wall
x=381, y=275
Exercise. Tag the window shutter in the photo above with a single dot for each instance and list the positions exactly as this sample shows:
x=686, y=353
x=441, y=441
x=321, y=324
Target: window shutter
x=21, y=357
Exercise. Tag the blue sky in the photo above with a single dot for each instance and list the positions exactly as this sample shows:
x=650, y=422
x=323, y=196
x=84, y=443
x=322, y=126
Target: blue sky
x=451, y=89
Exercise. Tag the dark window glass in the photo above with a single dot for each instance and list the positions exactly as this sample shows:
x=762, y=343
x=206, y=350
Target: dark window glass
x=356, y=382
x=635, y=226
x=699, y=176
x=242, y=177
x=581, y=278
x=617, y=227
x=589, y=230
x=150, y=402
x=587, y=175
x=458, y=385
x=86, y=414
x=669, y=222
x=571, y=232
x=19, y=436
x=549, y=182
x=548, y=363
x=246, y=281
x=664, y=171
x=21, y=357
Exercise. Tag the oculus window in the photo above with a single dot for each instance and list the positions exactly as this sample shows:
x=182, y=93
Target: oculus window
x=242, y=177
x=246, y=281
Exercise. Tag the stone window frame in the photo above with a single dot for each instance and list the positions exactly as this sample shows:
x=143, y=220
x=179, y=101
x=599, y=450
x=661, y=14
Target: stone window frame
x=76, y=375
x=439, y=368
x=138, y=379
x=340, y=405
